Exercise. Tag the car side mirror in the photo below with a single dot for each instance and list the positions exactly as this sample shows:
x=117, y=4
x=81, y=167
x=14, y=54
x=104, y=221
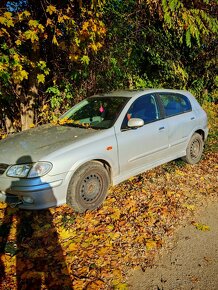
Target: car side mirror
x=135, y=123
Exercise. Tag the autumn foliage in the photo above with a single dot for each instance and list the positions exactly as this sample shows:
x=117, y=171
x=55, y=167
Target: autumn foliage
x=54, y=53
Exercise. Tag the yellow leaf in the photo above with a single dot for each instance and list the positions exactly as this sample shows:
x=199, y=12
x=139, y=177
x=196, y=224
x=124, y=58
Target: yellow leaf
x=85, y=25
x=121, y=286
x=151, y=245
x=54, y=40
x=51, y=9
x=16, y=57
x=189, y=206
x=41, y=27
x=61, y=18
x=179, y=172
x=20, y=75
x=41, y=78
x=18, y=42
x=65, y=234
x=26, y=13
x=94, y=285
x=31, y=34
x=2, y=20
x=49, y=22
x=110, y=227
x=94, y=47
x=73, y=247
x=85, y=59
x=103, y=251
x=8, y=15
x=201, y=227
x=116, y=214
x=9, y=23
x=33, y=23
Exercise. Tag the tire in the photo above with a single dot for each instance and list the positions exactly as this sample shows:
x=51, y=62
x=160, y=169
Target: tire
x=194, y=149
x=88, y=187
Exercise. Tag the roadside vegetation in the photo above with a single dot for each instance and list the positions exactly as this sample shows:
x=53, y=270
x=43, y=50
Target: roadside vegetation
x=55, y=53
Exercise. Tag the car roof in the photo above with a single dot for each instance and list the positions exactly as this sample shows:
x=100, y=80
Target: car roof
x=137, y=93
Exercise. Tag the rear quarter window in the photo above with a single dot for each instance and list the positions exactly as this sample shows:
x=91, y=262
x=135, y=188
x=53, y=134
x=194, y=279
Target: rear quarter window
x=175, y=104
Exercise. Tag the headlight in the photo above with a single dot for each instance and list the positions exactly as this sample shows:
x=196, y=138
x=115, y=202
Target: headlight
x=29, y=170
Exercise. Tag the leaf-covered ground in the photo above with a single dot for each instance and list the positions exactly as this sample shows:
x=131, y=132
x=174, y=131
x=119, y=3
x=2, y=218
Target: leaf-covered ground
x=59, y=248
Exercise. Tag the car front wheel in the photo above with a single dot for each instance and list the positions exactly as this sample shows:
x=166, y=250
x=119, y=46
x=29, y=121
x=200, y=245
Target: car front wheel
x=194, y=149
x=88, y=187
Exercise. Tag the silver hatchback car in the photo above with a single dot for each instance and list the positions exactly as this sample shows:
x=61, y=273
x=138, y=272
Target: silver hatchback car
x=102, y=140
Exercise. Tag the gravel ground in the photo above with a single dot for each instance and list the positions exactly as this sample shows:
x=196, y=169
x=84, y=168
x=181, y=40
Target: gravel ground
x=190, y=261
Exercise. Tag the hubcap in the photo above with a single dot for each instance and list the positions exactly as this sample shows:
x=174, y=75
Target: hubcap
x=91, y=187
x=195, y=149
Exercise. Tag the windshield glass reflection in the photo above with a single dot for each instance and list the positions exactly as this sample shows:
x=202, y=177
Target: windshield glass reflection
x=94, y=112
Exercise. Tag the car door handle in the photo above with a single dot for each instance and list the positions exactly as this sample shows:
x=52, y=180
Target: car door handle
x=192, y=118
x=161, y=128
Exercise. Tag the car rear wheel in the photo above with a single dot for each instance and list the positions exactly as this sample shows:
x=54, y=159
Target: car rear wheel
x=88, y=187
x=194, y=150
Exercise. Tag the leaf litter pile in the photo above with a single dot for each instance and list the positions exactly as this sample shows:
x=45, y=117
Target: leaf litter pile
x=59, y=249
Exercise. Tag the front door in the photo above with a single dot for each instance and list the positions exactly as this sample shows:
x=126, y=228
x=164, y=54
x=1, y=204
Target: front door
x=141, y=147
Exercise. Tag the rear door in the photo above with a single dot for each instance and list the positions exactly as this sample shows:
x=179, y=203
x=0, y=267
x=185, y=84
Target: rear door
x=180, y=119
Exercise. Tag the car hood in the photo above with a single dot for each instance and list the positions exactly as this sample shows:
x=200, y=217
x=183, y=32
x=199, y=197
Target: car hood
x=34, y=144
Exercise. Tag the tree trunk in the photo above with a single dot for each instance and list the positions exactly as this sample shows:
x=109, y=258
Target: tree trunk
x=27, y=108
x=27, y=101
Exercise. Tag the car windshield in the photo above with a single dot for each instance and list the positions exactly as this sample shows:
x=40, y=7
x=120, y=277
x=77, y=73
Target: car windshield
x=94, y=112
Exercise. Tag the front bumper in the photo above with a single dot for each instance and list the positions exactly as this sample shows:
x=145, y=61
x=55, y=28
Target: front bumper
x=37, y=193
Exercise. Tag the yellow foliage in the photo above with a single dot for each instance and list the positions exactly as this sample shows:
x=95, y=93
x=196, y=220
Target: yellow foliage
x=189, y=206
x=18, y=42
x=20, y=74
x=51, y=9
x=23, y=15
x=85, y=25
x=62, y=18
x=2, y=20
x=41, y=78
x=26, y=13
x=201, y=227
x=54, y=40
x=65, y=234
x=72, y=247
x=6, y=20
x=150, y=245
x=97, y=284
x=31, y=35
x=33, y=23
x=16, y=57
x=8, y=15
x=93, y=46
x=41, y=27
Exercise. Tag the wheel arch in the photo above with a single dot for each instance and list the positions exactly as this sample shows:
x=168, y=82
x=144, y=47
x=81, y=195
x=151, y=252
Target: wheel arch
x=202, y=133
x=106, y=165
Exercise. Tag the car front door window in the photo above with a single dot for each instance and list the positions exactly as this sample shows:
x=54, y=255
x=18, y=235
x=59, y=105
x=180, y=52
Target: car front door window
x=145, y=108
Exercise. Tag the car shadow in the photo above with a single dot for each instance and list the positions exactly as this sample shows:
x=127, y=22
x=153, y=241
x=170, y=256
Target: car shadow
x=39, y=256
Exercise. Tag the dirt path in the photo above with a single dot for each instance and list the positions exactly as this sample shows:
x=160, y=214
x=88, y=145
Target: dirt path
x=190, y=262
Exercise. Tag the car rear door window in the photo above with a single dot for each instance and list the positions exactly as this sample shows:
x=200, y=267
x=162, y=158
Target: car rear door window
x=175, y=104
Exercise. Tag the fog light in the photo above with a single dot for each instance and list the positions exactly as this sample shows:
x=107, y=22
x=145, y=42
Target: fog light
x=28, y=199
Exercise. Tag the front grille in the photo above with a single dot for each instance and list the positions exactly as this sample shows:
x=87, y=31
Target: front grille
x=3, y=167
